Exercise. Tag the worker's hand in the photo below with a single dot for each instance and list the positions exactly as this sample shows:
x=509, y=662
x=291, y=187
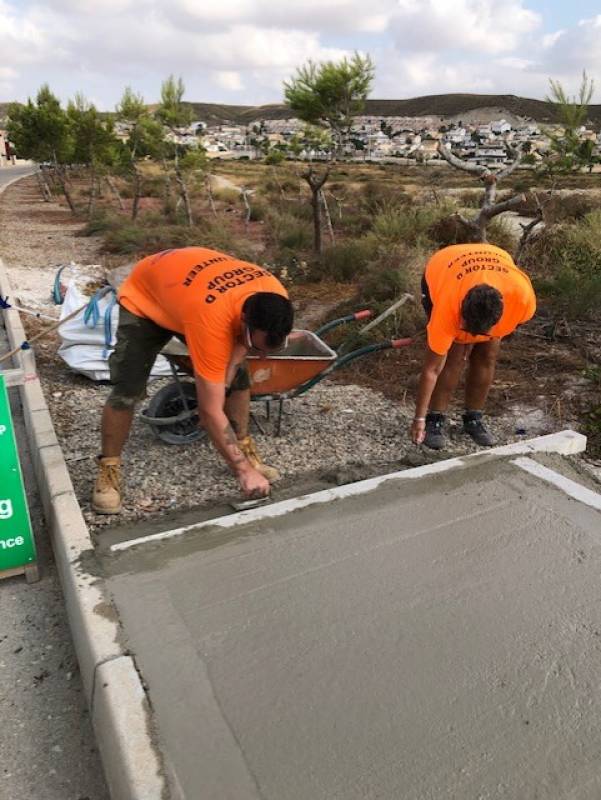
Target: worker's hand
x=418, y=431
x=252, y=483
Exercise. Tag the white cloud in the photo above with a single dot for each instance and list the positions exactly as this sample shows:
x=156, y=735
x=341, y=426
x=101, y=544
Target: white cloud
x=484, y=26
x=241, y=51
x=229, y=80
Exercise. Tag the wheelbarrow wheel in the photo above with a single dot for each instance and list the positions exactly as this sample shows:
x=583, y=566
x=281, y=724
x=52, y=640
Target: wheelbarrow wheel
x=167, y=402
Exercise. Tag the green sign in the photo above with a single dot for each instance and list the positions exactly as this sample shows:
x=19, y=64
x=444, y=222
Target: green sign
x=17, y=547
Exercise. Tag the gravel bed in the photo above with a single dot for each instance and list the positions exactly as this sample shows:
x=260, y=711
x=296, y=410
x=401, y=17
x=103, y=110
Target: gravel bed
x=330, y=429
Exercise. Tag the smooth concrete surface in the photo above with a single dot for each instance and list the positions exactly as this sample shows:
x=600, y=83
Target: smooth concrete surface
x=431, y=640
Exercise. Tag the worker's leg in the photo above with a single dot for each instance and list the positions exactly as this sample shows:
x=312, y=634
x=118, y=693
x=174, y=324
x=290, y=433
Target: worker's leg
x=479, y=378
x=449, y=377
x=138, y=342
x=441, y=396
x=480, y=373
x=115, y=426
x=237, y=410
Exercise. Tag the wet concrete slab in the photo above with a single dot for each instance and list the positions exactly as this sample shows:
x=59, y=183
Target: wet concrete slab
x=433, y=639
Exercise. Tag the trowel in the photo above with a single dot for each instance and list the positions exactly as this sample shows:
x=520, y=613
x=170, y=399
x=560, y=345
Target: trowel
x=254, y=502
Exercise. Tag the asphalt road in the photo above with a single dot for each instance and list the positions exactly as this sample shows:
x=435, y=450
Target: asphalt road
x=47, y=745
x=8, y=174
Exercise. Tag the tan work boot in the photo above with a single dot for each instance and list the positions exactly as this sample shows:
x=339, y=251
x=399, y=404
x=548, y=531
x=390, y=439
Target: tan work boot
x=249, y=449
x=107, y=491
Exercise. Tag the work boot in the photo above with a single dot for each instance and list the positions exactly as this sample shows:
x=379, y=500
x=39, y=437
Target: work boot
x=434, y=436
x=474, y=427
x=107, y=491
x=249, y=449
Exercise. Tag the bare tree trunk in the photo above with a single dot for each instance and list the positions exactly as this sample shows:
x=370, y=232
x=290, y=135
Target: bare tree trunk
x=185, y=196
x=113, y=189
x=316, y=184
x=63, y=184
x=244, y=193
x=135, y=206
x=316, y=221
x=44, y=188
x=327, y=216
x=210, y=195
x=93, y=193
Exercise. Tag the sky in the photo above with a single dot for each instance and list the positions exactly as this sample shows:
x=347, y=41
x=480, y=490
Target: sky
x=240, y=51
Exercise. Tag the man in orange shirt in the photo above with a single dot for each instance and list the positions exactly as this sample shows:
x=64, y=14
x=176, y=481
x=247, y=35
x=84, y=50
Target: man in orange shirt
x=223, y=309
x=473, y=295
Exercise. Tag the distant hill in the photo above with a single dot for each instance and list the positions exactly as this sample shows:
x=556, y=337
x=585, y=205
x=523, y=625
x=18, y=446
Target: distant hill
x=475, y=107
x=437, y=105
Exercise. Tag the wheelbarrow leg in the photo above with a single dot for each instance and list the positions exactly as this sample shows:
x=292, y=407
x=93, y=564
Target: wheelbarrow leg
x=257, y=423
x=278, y=427
x=182, y=394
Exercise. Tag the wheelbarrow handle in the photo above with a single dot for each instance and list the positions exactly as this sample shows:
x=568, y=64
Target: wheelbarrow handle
x=329, y=326
x=345, y=359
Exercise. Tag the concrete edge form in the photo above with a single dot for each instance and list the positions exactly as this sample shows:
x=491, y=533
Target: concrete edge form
x=565, y=442
x=115, y=694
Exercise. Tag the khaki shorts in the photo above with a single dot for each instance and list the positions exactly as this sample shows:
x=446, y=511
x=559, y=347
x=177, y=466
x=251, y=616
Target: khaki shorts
x=139, y=341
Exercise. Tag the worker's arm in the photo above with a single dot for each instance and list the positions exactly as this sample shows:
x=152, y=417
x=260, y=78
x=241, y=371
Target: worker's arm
x=431, y=369
x=211, y=398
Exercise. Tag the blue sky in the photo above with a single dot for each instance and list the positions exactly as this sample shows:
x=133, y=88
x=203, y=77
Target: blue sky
x=240, y=51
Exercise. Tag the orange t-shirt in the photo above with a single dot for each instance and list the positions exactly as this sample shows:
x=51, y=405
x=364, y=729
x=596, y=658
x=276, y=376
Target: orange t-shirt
x=453, y=271
x=200, y=293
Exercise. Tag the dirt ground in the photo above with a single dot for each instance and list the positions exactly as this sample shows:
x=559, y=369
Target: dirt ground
x=359, y=418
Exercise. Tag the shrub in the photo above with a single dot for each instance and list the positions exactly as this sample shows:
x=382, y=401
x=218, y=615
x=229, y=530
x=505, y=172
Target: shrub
x=101, y=221
x=287, y=231
x=565, y=261
x=343, y=262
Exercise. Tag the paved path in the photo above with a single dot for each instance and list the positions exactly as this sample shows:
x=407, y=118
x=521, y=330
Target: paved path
x=435, y=638
x=8, y=174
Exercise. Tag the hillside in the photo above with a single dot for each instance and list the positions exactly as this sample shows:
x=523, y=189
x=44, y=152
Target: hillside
x=451, y=107
x=441, y=105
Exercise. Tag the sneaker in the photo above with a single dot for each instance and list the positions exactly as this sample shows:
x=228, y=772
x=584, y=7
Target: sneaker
x=249, y=449
x=107, y=492
x=474, y=427
x=434, y=439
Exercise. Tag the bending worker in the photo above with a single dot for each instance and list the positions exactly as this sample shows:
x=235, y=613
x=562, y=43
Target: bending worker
x=223, y=309
x=473, y=296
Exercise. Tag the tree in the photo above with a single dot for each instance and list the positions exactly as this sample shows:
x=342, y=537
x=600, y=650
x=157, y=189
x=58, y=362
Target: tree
x=329, y=95
x=144, y=138
x=93, y=141
x=41, y=131
x=175, y=116
x=489, y=208
x=569, y=152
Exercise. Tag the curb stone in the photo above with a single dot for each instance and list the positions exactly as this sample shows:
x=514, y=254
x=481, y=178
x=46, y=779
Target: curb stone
x=119, y=708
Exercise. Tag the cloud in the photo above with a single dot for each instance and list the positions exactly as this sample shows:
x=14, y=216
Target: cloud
x=335, y=16
x=241, y=51
x=484, y=26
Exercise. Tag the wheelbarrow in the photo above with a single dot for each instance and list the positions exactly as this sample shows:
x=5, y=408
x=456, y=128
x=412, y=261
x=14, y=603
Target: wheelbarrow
x=283, y=375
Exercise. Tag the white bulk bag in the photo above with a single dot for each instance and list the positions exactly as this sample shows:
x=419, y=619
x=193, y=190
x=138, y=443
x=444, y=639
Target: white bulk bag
x=89, y=338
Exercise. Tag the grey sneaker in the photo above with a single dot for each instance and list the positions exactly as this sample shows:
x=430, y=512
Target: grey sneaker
x=474, y=427
x=435, y=439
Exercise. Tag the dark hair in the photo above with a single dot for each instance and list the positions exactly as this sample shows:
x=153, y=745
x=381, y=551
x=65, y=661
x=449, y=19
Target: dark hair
x=482, y=308
x=270, y=313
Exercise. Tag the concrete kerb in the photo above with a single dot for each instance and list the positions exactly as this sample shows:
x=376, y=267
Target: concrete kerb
x=566, y=442
x=115, y=694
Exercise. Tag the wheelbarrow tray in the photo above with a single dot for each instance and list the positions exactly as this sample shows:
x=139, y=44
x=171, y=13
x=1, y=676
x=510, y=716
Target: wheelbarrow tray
x=304, y=357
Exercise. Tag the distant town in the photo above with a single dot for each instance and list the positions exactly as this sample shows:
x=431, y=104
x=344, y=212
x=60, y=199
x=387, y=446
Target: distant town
x=379, y=139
